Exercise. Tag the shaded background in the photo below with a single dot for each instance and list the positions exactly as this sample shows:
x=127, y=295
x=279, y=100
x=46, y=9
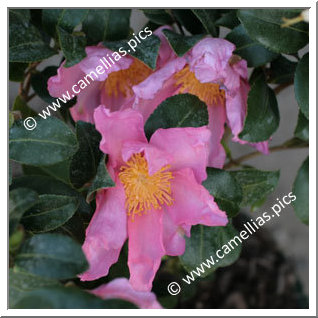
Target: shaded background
x=287, y=231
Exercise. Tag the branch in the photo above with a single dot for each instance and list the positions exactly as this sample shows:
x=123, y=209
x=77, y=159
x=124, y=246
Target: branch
x=293, y=143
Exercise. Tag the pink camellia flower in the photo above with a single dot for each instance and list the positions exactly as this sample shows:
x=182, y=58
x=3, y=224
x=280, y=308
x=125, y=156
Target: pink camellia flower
x=217, y=77
x=103, y=77
x=121, y=288
x=157, y=198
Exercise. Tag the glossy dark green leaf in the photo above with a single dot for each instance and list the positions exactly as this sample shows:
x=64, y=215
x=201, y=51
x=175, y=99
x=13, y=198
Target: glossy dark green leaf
x=52, y=256
x=39, y=83
x=113, y=25
x=21, y=283
x=183, y=110
x=282, y=71
x=16, y=71
x=302, y=85
x=101, y=180
x=47, y=185
x=50, y=212
x=208, y=18
x=203, y=245
x=147, y=51
x=301, y=191
x=60, y=297
x=20, y=200
x=228, y=20
x=254, y=53
x=73, y=46
x=262, y=118
x=59, y=171
x=264, y=26
x=158, y=16
x=21, y=105
x=25, y=41
x=85, y=162
x=68, y=19
x=49, y=143
x=181, y=44
x=256, y=184
x=189, y=20
x=226, y=190
x=302, y=128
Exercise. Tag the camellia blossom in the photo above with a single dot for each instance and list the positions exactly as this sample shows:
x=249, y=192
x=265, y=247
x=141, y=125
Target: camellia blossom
x=111, y=87
x=157, y=196
x=217, y=77
x=121, y=288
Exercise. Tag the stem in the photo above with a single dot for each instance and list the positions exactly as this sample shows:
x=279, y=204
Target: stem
x=284, y=146
x=281, y=87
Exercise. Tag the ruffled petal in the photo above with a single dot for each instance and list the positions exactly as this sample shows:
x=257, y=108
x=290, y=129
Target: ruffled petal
x=106, y=233
x=187, y=147
x=117, y=128
x=121, y=288
x=165, y=52
x=192, y=202
x=145, y=249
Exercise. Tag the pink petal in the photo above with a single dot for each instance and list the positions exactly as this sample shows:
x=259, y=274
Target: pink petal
x=145, y=249
x=106, y=232
x=216, y=125
x=192, y=202
x=121, y=288
x=117, y=128
x=187, y=147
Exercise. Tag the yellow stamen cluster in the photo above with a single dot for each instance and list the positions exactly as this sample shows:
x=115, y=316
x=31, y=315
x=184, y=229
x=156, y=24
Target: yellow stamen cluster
x=209, y=93
x=144, y=191
x=122, y=81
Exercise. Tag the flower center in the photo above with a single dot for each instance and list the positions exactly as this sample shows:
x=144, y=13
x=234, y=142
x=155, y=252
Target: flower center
x=122, y=81
x=144, y=191
x=209, y=93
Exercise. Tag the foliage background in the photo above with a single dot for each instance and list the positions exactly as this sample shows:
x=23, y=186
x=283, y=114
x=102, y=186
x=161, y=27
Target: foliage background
x=287, y=230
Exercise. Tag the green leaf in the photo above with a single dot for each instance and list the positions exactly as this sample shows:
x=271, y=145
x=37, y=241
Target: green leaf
x=189, y=20
x=20, y=200
x=302, y=85
x=226, y=190
x=265, y=26
x=20, y=105
x=52, y=256
x=205, y=241
x=50, y=212
x=262, y=118
x=21, y=283
x=183, y=110
x=181, y=44
x=102, y=180
x=282, y=71
x=73, y=46
x=228, y=20
x=60, y=297
x=16, y=71
x=256, y=184
x=59, y=171
x=47, y=185
x=147, y=51
x=158, y=16
x=113, y=25
x=10, y=173
x=68, y=19
x=39, y=83
x=84, y=163
x=208, y=19
x=254, y=53
x=25, y=41
x=301, y=191
x=302, y=128
x=49, y=143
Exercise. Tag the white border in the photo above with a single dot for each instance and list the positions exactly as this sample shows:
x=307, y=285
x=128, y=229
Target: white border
x=312, y=164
